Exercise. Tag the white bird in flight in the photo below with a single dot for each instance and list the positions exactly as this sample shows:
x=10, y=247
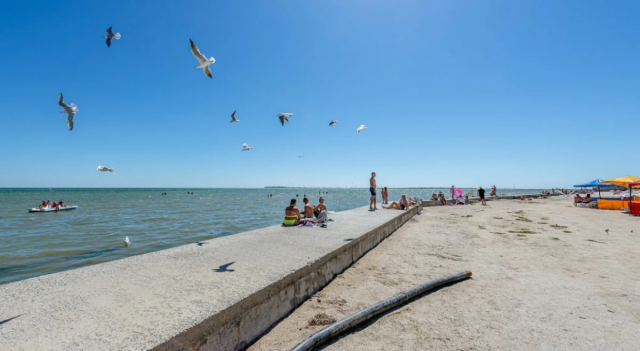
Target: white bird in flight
x=126, y=241
x=203, y=61
x=105, y=169
x=246, y=147
x=233, y=117
x=332, y=123
x=284, y=117
x=110, y=36
x=361, y=128
x=70, y=110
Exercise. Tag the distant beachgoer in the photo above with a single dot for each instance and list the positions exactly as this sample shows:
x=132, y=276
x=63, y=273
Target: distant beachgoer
x=434, y=196
x=372, y=190
x=308, y=208
x=494, y=191
x=403, y=204
x=460, y=200
x=291, y=214
x=453, y=189
x=466, y=200
x=578, y=199
x=61, y=204
x=48, y=203
x=42, y=205
x=481, y=195
x=441, y=198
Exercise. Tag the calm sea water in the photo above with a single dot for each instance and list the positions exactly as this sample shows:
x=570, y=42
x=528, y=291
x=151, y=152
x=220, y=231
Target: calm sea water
x=32, y=244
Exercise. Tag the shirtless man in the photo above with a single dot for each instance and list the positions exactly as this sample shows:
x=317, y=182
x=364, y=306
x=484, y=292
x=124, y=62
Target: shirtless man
x=308, y=208
x=372, y=190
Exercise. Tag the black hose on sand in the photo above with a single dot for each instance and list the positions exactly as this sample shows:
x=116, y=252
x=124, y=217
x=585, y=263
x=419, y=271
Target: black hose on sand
x=351, y=321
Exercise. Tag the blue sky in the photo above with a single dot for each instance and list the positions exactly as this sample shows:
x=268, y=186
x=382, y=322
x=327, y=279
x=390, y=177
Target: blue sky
x=525, y=93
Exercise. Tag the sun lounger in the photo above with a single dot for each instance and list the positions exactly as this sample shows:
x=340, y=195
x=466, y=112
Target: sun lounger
x=592, y=204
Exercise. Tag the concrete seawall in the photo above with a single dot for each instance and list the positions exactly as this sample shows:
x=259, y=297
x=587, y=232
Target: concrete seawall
x=220, y=295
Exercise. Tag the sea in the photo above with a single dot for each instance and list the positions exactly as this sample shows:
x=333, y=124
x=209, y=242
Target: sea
x=33, y=244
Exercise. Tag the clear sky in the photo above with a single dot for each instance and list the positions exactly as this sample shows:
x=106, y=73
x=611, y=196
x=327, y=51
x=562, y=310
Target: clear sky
x=531, y=93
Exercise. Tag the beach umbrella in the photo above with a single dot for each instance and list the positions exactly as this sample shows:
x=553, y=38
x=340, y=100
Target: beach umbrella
x=594, y=183
x=626, y=181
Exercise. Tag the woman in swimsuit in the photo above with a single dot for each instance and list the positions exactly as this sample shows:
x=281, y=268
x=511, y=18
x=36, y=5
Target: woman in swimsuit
x=403, y=204
x=291, y=215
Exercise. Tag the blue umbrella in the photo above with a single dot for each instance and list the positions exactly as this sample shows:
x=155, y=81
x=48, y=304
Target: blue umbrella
x=593, y=184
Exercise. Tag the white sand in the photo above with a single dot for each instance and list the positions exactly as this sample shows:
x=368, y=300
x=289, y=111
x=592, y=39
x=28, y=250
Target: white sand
x=573, y=288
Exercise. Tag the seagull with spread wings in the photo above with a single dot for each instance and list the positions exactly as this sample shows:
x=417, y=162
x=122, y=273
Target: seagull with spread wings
x=284, y=117
x=203, y=61
x=361, y=128
x=70, y=110
x=233, y=117
x=105, y=169
x=111, y=36
x=246, y=147
x=332, y=123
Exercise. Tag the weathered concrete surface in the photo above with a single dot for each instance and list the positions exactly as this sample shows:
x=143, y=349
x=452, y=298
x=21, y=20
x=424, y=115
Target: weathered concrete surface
x=175, y=299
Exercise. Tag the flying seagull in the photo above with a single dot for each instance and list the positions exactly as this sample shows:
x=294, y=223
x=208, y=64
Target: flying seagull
x=361, y=128
x=70, y=110
x=233, y=117
x=300, y=156
x=204, y=63
x=284, y=117
x=105, y=169
x=246, y=147
x=126, y=241
x=111, y=36
x=332, y=123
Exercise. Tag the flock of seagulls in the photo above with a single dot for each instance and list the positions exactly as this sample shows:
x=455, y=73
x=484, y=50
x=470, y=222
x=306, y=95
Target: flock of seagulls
x=205, y=64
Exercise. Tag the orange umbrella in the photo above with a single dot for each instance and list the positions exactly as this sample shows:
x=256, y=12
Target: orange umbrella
x=622, y=181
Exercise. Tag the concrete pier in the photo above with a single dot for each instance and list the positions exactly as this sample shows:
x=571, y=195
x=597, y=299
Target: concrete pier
x=219, y=295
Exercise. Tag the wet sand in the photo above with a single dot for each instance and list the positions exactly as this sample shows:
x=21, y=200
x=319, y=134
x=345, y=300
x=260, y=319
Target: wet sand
x=546, y=276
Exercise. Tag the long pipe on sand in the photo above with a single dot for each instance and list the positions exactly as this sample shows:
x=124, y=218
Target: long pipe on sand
x=351, y=321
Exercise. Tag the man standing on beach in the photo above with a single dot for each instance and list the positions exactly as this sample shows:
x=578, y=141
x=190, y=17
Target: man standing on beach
x=481, y=195
x=453, y=189
x=372, y=190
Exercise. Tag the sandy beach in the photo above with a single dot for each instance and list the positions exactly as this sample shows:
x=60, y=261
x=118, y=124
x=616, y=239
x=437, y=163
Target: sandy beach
x=546, y=276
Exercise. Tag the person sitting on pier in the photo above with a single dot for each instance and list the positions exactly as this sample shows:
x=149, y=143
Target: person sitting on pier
x=434, y=197
x=443, y=201
x=321, y=207
x=403, y=204
x=291, y=215
x=308, y=208
x=577, y=199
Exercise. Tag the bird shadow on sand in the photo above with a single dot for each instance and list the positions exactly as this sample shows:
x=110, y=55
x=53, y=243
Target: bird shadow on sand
x=371, y=321
x=10, y=319
x=200, y=243
x=350, y=239
x=595, y=241
x=225, y=268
